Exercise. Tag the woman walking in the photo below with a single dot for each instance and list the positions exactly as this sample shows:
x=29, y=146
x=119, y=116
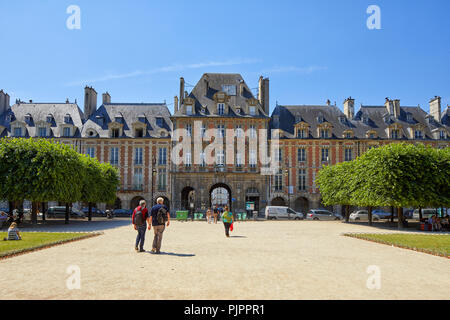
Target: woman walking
x=208, y=216
x=227, y=219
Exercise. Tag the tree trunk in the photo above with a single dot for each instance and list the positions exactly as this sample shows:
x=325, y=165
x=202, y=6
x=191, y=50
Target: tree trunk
x=90, y=211
x=370, y=215
x=392, y=214
x=420, y=214
x=400, y=218
x=43, y=210
x=67, y=213
x=34, y=210
x=347, y=213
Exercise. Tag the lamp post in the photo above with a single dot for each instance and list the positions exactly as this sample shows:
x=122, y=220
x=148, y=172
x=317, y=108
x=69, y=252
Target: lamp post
x=287, y=174
x=153, y=177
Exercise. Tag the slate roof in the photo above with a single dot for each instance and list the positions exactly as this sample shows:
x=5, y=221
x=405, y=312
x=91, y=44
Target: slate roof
x=377, y=119
x=131, y=114
x=38, y=113
x=206, y=99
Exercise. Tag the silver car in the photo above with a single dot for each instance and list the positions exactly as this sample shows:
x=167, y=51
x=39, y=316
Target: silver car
x=322, y=214
x=363, y=215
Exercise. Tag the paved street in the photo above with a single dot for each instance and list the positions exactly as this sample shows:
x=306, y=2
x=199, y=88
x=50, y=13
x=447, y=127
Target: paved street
x=263, y=260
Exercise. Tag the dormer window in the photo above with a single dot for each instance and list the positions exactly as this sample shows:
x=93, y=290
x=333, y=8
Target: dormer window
x=119, y=118
x=229, y=90
x=320, y=119
x=189, y=110
x=66, y=132
x=301, y=133
x=409, y=117
x=28, y=118
x=442, y=135
x=139, y=133
x=100, y=120
x=395, y=134
x=141, y=118
x=49, y=118
x=159, y=122
x=252, y=111
x=67, y=118
x=365, y=119
x=418, y=135
x=342, y=119
x=348, y=134
x=221, y=109
x=115, y=133
x=324, y=133
x=17, y=132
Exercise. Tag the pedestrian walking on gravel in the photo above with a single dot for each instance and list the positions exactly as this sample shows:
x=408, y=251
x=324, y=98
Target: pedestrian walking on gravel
x=139, y=219
x=159, y=216
x=227, y=219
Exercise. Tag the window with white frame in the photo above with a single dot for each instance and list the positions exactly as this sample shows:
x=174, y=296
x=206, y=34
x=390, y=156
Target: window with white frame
x=325, y=154
x=239, y=131
x=202, y=159
x=442, y=135
x=189, y=110
x=90, y=151
x=324, y=133
x=395, y=134
x=189, y=129
x=42, y=131
x=301, y=154
x=162, y=161
x=301, y=133
x=138, y=178
x=114, y=156
x=252, y=131
x=278, y=181
x=252, y=111
x=162, y=179
x=17, y=132
x=302, y=180
x=66, y=132
x=221, y=131
x=418, y=134
x=239, y=160
x=138, y=156
x=348, y=154
x=221, y=109
x=252, y=159
x=220, y=158
x=188, y=159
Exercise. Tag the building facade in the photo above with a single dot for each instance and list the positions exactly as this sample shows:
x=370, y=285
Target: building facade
x=169, y=155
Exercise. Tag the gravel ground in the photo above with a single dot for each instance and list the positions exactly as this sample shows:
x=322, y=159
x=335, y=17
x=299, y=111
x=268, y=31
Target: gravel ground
x=262, y=260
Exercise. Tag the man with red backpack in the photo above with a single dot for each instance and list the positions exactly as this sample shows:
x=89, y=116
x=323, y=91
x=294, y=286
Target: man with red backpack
x=139, y=219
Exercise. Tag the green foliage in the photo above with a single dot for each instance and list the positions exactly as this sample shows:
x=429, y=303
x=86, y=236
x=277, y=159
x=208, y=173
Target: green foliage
x=399, y=175
x=41, y=170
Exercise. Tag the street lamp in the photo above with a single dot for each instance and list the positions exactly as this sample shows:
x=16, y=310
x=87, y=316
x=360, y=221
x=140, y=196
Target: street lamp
x=287, y=174
x=153, y=177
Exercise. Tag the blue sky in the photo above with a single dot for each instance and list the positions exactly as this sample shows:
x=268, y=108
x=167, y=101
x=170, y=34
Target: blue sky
x=311, y=50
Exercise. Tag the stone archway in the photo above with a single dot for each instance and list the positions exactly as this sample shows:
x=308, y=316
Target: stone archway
x=223, y=194
x=301, y=205
x=187, y=198
x=278, y=202
x=135, y=202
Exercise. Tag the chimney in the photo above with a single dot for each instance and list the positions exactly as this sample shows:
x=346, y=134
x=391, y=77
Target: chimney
x=181, y=91
x=389, y=106
x=263, y=94
x=435, y=108
x=328, y=102
x=175, y=104
x=4, y=102
x=90, y=101
x=106, y=98
x=241, y=88
x=396, y=108
x=349, y=108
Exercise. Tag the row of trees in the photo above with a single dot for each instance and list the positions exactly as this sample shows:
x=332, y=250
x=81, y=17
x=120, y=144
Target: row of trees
x=396, y=175
x=41, y=170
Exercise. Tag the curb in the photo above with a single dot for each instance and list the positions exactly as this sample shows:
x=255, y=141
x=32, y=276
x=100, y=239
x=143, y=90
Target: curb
x=48, y=245
x=361, y=237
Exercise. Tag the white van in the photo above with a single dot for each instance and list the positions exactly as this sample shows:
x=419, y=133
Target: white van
x=278, y=213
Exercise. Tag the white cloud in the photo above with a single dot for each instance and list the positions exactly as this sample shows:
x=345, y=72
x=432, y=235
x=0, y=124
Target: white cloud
x=303, y=70
x=171, y=68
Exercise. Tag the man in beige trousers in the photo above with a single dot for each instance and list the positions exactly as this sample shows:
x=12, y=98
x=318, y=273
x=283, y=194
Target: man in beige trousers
x=159, y=216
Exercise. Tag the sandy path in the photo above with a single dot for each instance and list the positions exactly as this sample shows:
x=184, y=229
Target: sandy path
x=268, y=260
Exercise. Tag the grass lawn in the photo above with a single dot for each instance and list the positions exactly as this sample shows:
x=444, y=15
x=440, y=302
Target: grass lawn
x=434, y=244
x=36, y=240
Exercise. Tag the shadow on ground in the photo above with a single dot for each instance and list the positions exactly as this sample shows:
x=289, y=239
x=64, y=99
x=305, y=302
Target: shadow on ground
x=413, y=226
x=181, y=255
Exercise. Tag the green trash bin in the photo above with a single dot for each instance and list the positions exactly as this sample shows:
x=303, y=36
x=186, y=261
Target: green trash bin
x=182, y=215
x=239, y=216
x=198, y=216
x=244, y=216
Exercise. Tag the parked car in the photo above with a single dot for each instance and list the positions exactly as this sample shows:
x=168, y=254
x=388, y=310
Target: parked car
x=363, y=215
x=383, y=214
x=58, y=212
x=3, y=218
x=322, y=214
x=95, y=212
x=122, y=213
x=426, y=213
x=279, y=213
